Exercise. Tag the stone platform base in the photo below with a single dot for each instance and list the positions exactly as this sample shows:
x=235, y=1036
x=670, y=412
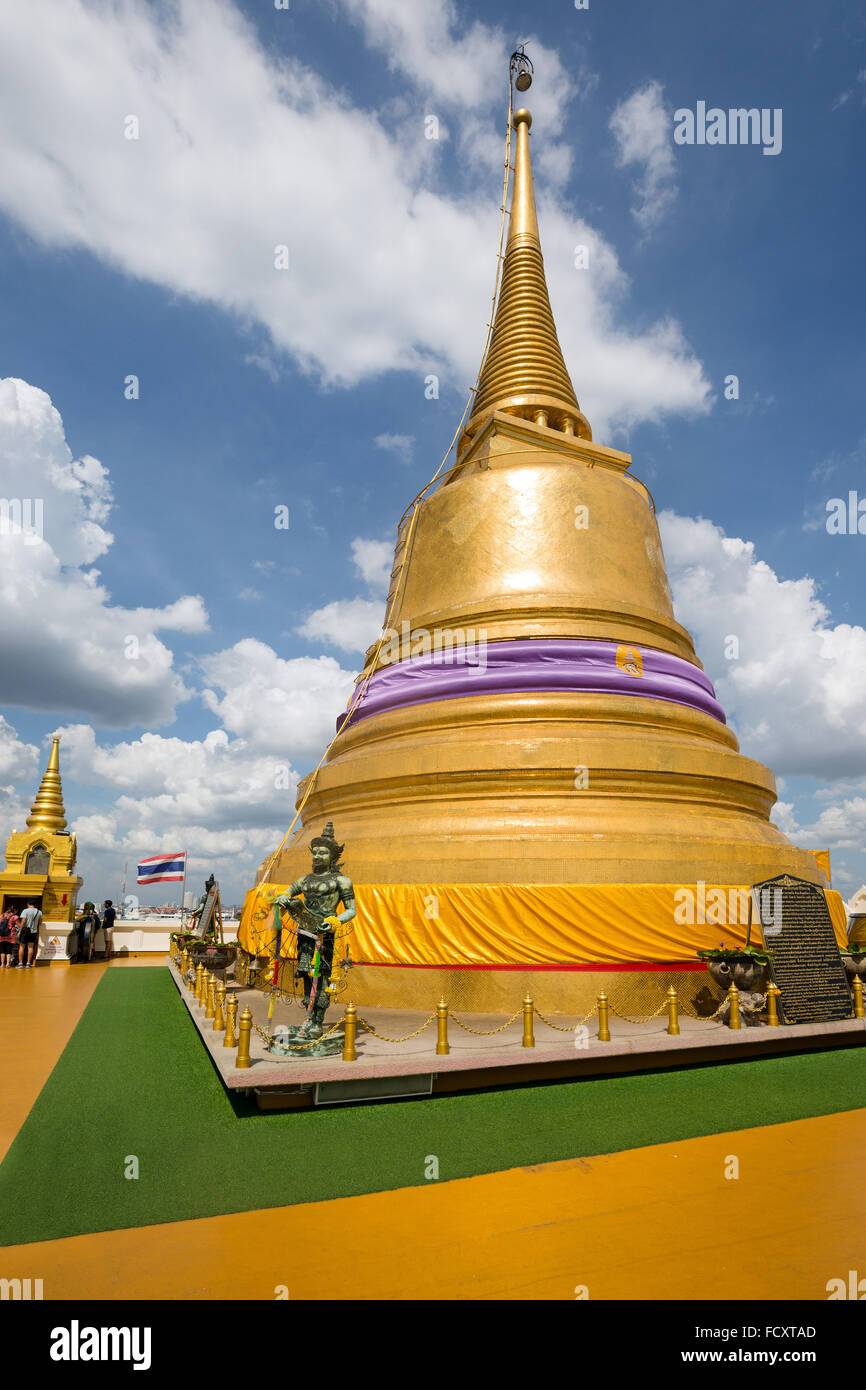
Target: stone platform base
x=412, y=1067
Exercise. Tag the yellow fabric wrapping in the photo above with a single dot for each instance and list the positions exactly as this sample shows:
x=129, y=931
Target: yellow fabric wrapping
x=530, y=924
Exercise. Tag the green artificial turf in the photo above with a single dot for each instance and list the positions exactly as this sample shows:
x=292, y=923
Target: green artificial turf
x=135, y=1079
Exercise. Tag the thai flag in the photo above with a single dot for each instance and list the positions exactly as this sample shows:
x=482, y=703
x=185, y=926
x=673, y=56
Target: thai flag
x=162, y=868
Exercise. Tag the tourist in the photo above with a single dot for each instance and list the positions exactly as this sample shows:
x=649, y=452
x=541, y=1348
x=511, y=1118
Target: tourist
x=108, y=917
x=8, y=923
x=28, y=936
x=87, y=927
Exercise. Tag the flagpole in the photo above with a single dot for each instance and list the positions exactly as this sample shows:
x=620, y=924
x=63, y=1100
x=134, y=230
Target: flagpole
x=183, y=890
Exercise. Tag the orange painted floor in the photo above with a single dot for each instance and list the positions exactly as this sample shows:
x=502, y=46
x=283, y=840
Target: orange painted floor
x=39, y=1009
x=658, y=1222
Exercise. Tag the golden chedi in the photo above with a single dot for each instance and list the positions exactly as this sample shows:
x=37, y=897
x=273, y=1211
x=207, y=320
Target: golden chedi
x=40, y=860
x=537, y=773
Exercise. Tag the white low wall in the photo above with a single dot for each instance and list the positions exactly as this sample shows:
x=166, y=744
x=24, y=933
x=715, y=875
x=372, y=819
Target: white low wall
x=132, y=937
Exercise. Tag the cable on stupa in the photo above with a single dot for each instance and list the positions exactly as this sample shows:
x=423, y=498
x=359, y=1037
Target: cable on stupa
x=361, y=688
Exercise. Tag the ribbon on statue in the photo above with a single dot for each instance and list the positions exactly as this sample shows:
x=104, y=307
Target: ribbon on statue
x=275, y=980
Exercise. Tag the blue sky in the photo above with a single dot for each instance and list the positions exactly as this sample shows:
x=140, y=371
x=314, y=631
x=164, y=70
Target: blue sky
x=261, y=388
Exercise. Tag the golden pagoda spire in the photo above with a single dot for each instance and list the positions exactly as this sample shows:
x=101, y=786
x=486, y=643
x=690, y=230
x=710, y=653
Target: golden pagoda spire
x=524, y=372
x=47, y=811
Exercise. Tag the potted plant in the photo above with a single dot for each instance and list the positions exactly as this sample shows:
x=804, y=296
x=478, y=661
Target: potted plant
x=854, y=961
x=735, y=965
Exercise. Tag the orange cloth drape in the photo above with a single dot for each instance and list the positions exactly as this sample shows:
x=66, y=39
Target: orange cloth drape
x=531, y=924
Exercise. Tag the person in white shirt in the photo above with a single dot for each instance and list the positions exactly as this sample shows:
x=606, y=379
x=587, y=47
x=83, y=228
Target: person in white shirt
x=28, y=936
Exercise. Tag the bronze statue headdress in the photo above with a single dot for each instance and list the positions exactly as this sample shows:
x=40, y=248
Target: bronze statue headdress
x=329, y=840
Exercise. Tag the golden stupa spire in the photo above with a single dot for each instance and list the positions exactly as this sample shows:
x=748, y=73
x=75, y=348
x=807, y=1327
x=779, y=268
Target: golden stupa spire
x=524, y=372
x=47, y=811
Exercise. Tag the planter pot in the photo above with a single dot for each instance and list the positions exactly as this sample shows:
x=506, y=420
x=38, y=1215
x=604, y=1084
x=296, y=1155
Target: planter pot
x=854, y=966
x=213, y=956
x=743, y=974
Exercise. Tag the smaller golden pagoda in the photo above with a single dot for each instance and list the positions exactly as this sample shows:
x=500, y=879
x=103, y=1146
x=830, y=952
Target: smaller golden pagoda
x=40, y=861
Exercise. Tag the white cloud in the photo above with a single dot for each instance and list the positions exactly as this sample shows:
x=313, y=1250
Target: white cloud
x=373, y=561
x=165, y=784
x=641, y=125
x=351, y=624
x=19, y=778
x=226, y=804
x=104, y=661
x=797, y=689
x=227, y=797
x=239, y=152
x=289, y=708
x=464, y=68
x=400, y=445
x=18, y=761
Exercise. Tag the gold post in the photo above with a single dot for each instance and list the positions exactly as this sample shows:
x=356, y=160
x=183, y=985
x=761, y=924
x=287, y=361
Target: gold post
x=528, y=1019
x=772, y=1006
x=442, y=1048
x=245, y=1027
x=857, y=986
x=184, y=963
x=350, y=1025
x=210, y=995
x=734, y=1000
x=603, y=1030
x=673, y=1021
x=199, y=983
x=219, y=1018
x=231, y=1037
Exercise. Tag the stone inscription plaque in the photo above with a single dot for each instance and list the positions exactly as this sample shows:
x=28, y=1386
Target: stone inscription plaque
x=805, y=961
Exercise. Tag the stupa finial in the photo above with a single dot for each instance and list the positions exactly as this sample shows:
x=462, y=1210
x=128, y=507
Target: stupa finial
x=47, y=811
x=524, y=372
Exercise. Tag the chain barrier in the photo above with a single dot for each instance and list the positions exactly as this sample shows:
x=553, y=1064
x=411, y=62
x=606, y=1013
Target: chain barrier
x=569, y=1028
x=299, y=1047
x=485, y=1032
x=691, y=1012
x=362, y=1023
x=683, y=1006
x=648, y=1018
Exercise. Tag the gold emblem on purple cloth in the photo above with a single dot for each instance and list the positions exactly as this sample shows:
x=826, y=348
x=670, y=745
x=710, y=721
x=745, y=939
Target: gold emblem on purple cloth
x=629, y=659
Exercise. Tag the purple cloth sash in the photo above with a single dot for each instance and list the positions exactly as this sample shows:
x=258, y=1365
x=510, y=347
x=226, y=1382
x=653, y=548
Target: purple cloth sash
x=536, y=665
